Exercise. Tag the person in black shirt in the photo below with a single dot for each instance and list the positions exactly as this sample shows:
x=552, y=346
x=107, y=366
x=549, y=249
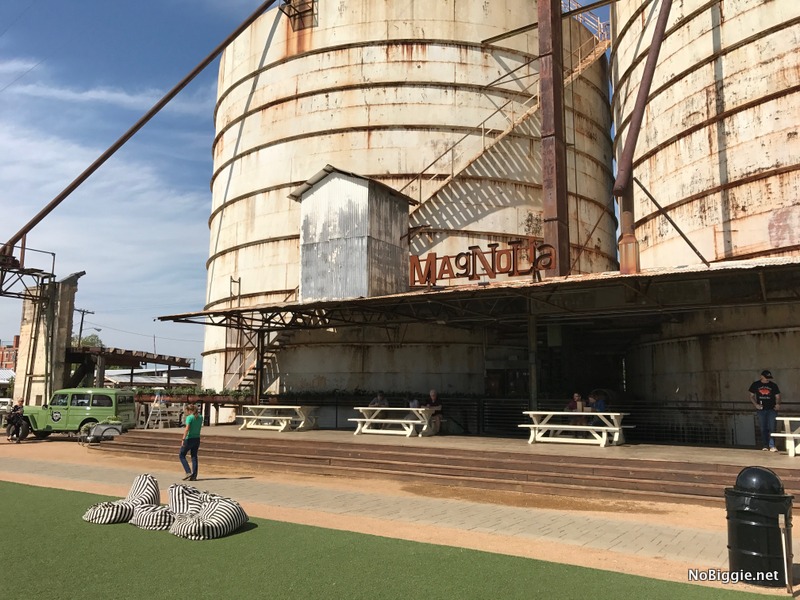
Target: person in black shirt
x=765, y=395
x=436, y=416
x=15, y=422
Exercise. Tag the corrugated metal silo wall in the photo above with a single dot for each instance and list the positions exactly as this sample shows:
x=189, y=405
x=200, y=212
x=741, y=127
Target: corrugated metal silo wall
x=689, y=384
x=719, y=150
x=719, y=147
x=382, y=88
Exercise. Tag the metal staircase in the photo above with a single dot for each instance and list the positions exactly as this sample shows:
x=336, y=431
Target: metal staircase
x=248, y=360
x=583, y=58
x=242, y=360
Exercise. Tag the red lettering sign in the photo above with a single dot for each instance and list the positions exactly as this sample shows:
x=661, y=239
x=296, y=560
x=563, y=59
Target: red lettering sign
x=520, y=258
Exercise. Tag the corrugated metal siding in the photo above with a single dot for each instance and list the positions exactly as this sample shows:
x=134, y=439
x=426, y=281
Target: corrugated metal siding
x=719, y=147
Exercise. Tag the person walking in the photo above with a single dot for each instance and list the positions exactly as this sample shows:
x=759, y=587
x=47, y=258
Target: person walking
x=191, y=441
x=765, y=395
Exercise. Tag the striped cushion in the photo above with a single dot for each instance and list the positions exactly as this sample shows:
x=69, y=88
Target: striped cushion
x=144, y=490
x=105, y=513
x=184, y=499
x=218, y=517
x=152, y=517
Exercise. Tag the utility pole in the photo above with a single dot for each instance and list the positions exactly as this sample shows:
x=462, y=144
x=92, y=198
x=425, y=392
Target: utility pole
x=80, y=329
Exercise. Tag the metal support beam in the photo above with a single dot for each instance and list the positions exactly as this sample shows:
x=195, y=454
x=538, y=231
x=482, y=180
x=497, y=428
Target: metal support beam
x=533, y=381
x=665, y=214
x=554, y=150
x=629, y=246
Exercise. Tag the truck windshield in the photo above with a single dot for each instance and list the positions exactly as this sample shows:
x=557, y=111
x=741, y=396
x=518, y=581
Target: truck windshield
x=59, y=400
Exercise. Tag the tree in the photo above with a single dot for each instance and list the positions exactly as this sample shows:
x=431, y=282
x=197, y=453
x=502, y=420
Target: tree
x=92, y=340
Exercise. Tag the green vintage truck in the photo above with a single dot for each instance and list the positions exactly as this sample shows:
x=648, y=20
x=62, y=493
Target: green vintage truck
x=69, y=410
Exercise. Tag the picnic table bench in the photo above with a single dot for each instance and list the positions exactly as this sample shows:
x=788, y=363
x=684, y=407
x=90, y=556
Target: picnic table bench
x=791, y=433
x=394, y=420
x=606, y=431
x=278, y=417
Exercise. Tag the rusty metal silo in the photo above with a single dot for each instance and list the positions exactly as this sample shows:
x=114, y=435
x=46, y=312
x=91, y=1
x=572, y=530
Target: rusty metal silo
x=405, y=93
x=719, y=147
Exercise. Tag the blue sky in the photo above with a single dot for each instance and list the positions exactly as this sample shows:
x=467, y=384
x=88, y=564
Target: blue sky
x=74, y=76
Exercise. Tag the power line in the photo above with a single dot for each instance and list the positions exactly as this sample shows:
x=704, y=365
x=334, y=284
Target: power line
x=16, y=79
x=19, y=16
x=147, y=335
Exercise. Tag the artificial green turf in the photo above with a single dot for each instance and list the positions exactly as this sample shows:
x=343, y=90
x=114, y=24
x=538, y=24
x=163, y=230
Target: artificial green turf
x=54, y=554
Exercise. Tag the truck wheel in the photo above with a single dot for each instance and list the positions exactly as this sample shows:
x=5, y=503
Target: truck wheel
x=41, y=435
x=24, y=430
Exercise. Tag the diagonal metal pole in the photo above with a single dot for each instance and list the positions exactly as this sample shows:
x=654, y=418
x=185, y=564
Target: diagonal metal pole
x=7, y=248
x=665, y=214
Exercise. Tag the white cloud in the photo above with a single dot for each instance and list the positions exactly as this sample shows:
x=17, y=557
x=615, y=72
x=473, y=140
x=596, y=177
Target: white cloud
x=141, y=239
x=199, y=103
x=16, y=66
x=138, y=225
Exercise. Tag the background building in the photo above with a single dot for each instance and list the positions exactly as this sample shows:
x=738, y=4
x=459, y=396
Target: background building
x=8, y=355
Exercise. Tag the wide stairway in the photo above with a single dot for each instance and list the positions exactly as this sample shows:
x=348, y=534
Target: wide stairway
x=490, y=469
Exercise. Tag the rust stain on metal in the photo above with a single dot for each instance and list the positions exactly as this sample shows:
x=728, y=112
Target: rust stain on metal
x=784, y=224
x=298, y=42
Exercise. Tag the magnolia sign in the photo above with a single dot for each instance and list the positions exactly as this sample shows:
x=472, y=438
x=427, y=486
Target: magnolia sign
x=519, y=259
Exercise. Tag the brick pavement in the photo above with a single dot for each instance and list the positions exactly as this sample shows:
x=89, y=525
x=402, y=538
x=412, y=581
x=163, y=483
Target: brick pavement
x=644, y=537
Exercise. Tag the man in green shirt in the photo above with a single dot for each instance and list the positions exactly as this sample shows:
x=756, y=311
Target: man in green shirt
x=191, y=441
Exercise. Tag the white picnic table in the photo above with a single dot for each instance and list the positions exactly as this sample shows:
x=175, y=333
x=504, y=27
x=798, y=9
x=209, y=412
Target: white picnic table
x=278, y=417
x=791, y=433
x=606, y=431
x=394, y=420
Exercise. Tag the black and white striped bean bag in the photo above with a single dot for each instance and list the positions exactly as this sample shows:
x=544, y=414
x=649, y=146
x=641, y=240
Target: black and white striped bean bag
x=152, y=517
x=143, y=491
x=217, y=518
x=105, y=513
x=184, y=499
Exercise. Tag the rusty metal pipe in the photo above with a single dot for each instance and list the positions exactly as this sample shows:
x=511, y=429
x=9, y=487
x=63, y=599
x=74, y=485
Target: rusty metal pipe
x=7, y=248
x=624, y=166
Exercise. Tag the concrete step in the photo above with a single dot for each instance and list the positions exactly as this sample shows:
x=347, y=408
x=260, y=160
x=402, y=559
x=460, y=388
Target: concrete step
x=568, y=487
x=511, y=471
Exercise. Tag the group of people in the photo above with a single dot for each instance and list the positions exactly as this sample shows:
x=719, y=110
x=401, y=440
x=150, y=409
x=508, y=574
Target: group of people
x=594, y=402
x=412, y=402
x=14, y=428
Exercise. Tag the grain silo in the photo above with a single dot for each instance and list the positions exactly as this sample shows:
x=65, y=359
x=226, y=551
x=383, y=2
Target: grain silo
x=719, y=147
x=719, y=150
x=409, y=95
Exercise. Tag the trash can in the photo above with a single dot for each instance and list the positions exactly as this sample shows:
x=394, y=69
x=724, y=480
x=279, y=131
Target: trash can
x=755, y=539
